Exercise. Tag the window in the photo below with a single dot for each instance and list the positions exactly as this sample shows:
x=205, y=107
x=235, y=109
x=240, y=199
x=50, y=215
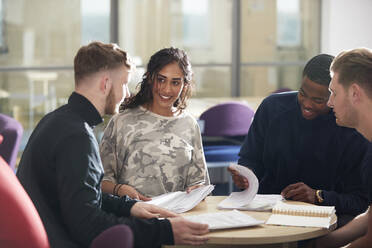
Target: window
x=3, y=47
x=288, y=23
x=277, y=37
x=272, y=57
x=95, y=21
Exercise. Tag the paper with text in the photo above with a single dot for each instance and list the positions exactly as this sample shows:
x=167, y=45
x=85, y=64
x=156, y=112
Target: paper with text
x=180, y=201
x=261, y=202
x=225, y=219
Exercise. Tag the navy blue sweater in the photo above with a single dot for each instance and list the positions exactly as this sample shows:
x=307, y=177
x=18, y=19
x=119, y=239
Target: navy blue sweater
x=283, y=148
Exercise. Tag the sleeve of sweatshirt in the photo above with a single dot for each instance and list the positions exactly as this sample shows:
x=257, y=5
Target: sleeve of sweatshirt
x=251, y=152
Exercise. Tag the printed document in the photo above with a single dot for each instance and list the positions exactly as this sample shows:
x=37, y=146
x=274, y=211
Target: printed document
x=225, y=219
x=180, y=201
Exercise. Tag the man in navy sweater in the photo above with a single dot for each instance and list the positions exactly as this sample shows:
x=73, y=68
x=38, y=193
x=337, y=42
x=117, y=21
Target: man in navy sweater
x=295, y=147
x=351, y=100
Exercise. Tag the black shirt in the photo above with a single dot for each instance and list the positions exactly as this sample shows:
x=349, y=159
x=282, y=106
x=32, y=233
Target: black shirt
x=367, y=172
x=61, y=170
x=282, y=148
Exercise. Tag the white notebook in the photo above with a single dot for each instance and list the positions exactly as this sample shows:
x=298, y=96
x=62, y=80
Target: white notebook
x=180, y=202
x=224, y=220
x=301, y=215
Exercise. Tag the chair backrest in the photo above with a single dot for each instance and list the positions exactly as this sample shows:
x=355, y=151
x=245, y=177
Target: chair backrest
x=20, y=223
x=227, y=119
x=119, y=236
x=281, y=90
x=12, y=132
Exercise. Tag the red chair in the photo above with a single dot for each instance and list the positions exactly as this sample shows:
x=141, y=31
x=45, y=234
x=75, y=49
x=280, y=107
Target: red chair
x=20, y=223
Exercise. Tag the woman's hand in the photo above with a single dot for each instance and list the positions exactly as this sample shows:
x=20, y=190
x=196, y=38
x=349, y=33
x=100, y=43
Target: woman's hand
x=148, y=211
x=132, y=193
x=189, y=189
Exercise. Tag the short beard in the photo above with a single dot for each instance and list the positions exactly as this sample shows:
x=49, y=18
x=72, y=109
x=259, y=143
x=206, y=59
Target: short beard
x=350, y=118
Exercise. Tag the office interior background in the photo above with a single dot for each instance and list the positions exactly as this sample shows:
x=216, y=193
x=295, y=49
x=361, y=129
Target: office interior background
x=238, y=48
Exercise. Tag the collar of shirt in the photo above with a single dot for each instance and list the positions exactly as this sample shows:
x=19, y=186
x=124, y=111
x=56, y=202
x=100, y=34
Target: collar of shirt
x=85, y=109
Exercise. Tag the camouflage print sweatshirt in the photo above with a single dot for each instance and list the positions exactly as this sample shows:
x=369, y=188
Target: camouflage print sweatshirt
x=153, y=153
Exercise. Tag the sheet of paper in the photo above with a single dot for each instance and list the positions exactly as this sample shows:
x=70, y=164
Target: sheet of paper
x=239, y=199
x=180, y=202
x=225, y=219
x=261, y=202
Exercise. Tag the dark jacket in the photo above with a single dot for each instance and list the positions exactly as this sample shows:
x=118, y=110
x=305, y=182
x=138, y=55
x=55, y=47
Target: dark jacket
x=61, y=170
x=283, y=148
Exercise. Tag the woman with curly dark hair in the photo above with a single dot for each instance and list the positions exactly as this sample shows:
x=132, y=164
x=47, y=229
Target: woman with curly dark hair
x=153, y=146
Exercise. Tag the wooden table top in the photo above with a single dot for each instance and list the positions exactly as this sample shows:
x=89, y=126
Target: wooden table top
x=261, y=234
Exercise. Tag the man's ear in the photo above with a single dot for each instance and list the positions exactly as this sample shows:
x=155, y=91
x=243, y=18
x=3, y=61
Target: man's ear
x=105, y=84
x=355, y=93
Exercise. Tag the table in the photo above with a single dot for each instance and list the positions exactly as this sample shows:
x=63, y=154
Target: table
x=257, y=236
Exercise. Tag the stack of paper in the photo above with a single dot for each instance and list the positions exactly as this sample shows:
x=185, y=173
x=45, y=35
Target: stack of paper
x=248, y=199
x=180, y=201
x=259, y=203
x=223, y=220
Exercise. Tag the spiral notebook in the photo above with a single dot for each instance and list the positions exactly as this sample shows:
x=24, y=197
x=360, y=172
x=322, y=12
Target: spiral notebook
x=301, y=215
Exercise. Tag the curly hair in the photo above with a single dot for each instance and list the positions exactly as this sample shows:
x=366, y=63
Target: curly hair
x=157, y=62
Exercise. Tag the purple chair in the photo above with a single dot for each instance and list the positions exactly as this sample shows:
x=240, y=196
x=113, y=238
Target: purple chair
x=119, y=236
x=225, y=125
x=227, y=119
x=12, y=132
x=281, y=90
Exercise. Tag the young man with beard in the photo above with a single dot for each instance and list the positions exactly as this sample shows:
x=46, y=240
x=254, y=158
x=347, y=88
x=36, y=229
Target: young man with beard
x=61, y=167
x=295, y=147
x=351, y=100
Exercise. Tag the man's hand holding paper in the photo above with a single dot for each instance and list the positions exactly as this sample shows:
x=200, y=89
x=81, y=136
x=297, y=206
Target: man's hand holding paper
x=240, y=181
x=239, y=199
x=248, y=198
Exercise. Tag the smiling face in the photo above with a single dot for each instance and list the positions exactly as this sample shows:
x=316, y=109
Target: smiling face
x=313, y=98
x=167, y=88
x=341, y=104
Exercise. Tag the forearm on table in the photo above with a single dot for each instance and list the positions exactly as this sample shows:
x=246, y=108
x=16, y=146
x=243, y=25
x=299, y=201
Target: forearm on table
x=366, y=239
x=356, y=228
